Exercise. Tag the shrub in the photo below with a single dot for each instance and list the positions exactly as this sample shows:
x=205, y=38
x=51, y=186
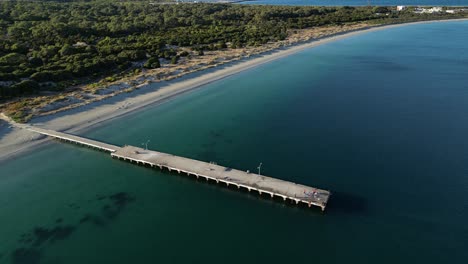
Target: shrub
x=13, y=59
x=152, y=63
x=174, y=59
x=25, y=87
x=184, y=54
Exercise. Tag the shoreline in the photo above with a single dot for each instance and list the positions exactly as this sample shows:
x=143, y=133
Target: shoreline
x=15, y=141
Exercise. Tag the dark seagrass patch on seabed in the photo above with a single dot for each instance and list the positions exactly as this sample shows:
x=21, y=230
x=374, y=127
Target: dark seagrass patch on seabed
x=381, y=63
x=42, y=235
x=121, y=199
x=74, y=206
x=26, y=256
x=217, y=133
x=30, y=252
x=96, y=220
x=33, y=242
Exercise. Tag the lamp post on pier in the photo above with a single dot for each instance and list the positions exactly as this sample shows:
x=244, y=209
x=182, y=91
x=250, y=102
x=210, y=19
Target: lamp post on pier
x=146, y=144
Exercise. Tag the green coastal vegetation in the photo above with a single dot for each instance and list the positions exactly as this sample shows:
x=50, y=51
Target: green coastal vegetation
x=51, y=45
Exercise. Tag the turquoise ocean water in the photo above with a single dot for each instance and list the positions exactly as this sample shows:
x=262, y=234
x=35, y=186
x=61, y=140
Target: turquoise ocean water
x=380, y=119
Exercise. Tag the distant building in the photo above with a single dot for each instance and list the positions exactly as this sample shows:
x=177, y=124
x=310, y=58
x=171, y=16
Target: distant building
x=436, y=9
x=450, y=11
x=80, y=44
x=400, y=8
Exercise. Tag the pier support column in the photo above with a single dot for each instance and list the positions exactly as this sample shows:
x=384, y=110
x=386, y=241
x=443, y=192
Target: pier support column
x=309, y=204
x=178, y=171
x=248, y=189
x=259, y=192
x=217, y=181
x=297, y=201
x=271, y=195
x=284, y=198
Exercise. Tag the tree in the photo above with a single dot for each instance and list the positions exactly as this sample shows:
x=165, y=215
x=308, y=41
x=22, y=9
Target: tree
x=19, y=48
x=67, y=50
x=36, y=37
x=221, y=45
x=152, y=63
x=174, y=59
x=13, y=59
x=381, y=9
x=48, y=52
x=132, y=54
x=184, y=54
x=35, y=61
x=23, y=87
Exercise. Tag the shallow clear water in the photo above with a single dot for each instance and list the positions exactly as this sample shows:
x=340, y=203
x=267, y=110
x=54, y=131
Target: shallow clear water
x=379, y=119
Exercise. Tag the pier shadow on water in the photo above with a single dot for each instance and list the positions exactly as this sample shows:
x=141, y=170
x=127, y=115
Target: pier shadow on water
x=346, y=203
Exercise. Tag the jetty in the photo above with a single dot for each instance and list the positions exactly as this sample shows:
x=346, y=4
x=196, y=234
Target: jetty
x=74, y=139
x=263, y=185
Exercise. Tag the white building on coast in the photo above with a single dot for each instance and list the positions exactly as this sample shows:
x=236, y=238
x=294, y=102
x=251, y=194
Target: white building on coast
x=400, y=8
x=435, y=9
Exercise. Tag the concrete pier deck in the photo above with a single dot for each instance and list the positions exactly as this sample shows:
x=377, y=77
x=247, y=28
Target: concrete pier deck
x=252, y=182
x=74, y=139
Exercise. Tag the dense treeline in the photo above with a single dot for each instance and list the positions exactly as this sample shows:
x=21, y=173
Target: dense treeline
x=43, y=44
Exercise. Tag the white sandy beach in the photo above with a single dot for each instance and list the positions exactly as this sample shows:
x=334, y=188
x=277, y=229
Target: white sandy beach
x=14, y=141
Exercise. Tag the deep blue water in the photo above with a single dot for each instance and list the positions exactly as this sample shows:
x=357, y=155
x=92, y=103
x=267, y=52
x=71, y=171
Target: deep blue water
x=361, y=2
x=380, y=119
